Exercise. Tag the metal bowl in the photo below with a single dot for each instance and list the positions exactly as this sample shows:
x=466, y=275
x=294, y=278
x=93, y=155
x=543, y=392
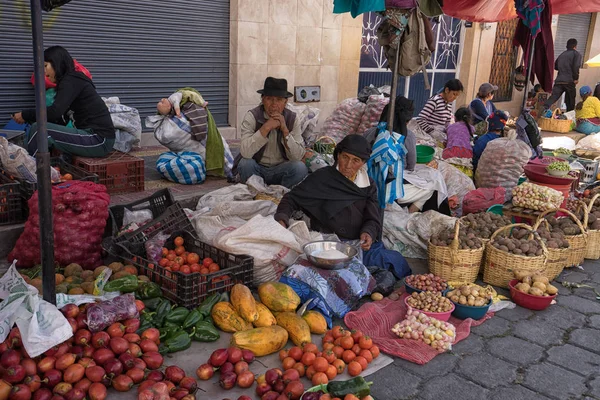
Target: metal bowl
x=327, y=263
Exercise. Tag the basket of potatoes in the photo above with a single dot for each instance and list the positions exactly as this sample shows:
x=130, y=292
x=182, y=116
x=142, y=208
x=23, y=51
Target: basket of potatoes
x=455, y=256
x=512, y=247
x=483, y=225
x=592, y=213
x=574, y=231
x=471, y=301
x=532, y=291
x=558, y=247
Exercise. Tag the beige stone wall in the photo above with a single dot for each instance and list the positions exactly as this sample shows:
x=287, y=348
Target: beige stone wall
x=299, y=40
x=476, y=65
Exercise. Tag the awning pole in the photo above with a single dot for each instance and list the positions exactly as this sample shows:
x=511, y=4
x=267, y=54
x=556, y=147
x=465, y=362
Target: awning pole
x=393, y=90
x=43, y=157
x=528, y=73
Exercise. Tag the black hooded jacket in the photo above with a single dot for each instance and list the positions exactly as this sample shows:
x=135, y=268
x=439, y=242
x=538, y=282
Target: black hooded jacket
x=76, y=92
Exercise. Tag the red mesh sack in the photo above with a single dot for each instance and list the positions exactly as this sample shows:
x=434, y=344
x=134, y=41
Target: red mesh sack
x=481, y=199
x=79, y=211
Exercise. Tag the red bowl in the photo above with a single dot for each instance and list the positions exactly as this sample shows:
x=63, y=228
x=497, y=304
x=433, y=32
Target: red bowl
x=444, y=316
x=538, y=173
x=525, y=300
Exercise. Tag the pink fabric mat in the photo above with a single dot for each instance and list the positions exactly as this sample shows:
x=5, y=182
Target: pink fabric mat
x=376, y=320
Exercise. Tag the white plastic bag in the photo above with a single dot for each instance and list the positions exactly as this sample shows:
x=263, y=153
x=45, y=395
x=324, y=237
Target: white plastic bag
x=308, y=117
x=175, y=134
x=17, y=162
x=41, y=324
x=127, y=123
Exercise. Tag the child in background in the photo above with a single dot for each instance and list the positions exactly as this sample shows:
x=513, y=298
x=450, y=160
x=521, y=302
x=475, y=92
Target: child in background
x=460, y=135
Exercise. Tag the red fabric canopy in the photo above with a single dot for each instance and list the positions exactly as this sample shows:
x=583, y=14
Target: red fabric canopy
x=502, y=10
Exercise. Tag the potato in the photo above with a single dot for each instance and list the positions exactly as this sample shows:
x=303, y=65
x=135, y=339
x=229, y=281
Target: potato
x=539, y=285
x=465, y=291
x=527, y=280
x=462, y=300
x=551, y=290
x=540, y=278
x=521, y=274
x=480, y=302
x=376, y=296
x=523, y=287
x=536, y=292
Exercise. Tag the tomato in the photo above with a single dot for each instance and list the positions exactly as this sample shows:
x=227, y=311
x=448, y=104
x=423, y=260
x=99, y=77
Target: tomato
x=195, y=267
x=185, y=255
x=207, y=261
x=150, y=266
x=214, y=267
x=171, y=256
x=193, y=258
x=365, y=342
x=204, y=271
x=163, y=262
x=179, y=260
x=165, y=252
x=175, y=267
x=179, y=250
x=178, y=241
x=185, y=269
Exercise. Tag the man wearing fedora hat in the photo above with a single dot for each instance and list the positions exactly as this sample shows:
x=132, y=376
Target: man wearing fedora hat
x=272, y=146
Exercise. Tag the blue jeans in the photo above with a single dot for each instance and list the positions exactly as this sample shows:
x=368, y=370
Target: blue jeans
x=587, y=127
x=288, y=174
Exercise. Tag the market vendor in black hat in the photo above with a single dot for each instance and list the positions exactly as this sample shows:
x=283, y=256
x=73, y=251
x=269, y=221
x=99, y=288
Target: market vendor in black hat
x=342, y=199
x=272, y=145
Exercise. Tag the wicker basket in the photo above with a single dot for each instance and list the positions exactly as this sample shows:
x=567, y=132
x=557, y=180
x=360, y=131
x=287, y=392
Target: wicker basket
x=577, y=243
x=593, y=244
x=558, y=259
x=555, y=125
x=452, y=263
x=499, y=265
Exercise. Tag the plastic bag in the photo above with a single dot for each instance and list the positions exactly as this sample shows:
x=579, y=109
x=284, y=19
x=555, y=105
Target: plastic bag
x=140, y=217
x=154, y=246
x=101, y=316
x=17, y=162
x=385, y=280
x=41, y=324
x=344, y=120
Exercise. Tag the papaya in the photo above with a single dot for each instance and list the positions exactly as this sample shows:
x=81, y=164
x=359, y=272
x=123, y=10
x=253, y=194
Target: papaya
x=243, y=302
x=297, y=328
x=261, y=341
x=59, y=278
x=115, y=267
x=278, y=297
x=265, y=316
x=316, y=322
x=73, y=270
x=87, y=276
x=227, y=319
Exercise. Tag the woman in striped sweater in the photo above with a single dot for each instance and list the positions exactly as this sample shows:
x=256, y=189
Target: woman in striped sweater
x=436, y=114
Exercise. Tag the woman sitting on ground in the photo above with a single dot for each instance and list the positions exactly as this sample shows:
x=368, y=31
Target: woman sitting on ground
x=436, y=114
x=342, y=199
x=587, y=112
x=460, y=135
x=482, y=107
x=496, y=124
x=94, y=135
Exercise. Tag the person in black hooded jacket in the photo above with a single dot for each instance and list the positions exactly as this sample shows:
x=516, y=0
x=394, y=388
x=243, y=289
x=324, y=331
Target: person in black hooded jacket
x=94, y=135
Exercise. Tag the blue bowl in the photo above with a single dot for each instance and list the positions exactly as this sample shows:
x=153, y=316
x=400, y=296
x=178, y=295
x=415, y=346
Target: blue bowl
x=463, y=311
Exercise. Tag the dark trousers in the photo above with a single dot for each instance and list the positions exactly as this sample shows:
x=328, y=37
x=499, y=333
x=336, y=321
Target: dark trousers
x=74, y=141
x=570, y=92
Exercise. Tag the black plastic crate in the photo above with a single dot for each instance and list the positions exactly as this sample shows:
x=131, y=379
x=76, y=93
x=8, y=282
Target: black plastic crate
x=189, y=290
x=78, y=174
x=172, y=220
x=14, y=136
x=11, y=203
x=157, y=203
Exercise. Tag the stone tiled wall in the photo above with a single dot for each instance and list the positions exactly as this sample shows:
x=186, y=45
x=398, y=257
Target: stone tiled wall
x=300, y=40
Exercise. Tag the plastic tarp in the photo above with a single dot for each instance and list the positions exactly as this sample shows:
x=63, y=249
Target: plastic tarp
x=502, y=10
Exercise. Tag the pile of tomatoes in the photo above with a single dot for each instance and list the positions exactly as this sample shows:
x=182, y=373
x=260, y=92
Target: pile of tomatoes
x=180, y=260
x=342, y=349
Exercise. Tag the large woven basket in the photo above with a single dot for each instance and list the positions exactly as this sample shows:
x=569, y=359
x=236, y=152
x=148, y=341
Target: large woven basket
x=558, y=259
x=452, y=263
x=499, y=266
x=577, y=243
x=592, y=251
x=555, y=125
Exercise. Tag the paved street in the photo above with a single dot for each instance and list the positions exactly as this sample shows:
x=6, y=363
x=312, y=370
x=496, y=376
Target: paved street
x=518, y=354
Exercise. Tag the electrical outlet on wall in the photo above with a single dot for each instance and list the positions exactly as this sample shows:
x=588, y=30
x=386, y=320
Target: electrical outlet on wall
x=307, y=94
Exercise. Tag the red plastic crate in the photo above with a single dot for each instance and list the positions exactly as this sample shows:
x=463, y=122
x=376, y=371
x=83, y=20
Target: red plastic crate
x=119, y=172
x=11, y=204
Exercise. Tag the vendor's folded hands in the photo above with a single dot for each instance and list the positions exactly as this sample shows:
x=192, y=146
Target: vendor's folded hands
x=365, y=241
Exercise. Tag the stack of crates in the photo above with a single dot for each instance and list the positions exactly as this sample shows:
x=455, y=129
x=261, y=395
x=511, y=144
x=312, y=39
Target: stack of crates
x=119, y=172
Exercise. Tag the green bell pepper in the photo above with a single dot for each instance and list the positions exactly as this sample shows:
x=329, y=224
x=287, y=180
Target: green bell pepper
x=193, y=317
x=161, y=312
x=177, y=315
x=152, y=304
x=146, y=316
x=177, y=342
x=143, y=326
x=126, y=284
x=166, y=332
x=205, y=332
x=356, y=386
x=148, y=290
x=209, y=320
x=169, y=324
x=207, y=305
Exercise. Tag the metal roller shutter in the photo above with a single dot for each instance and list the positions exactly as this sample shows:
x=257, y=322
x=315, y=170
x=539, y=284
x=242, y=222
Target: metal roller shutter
x=139, y=51
x=572, y=26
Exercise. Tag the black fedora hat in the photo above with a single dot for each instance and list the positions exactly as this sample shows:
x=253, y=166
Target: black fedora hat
x=275, y=87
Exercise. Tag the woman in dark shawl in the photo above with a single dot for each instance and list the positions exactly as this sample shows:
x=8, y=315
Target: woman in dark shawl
x=342, y=199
